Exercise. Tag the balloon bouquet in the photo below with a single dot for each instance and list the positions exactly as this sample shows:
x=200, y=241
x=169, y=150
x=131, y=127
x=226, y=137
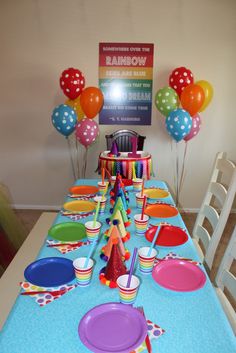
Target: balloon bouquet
x=77, y=114
x=183, y=123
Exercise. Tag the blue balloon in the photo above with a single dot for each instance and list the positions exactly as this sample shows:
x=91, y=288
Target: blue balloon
x=178, y=124
x=64, y=119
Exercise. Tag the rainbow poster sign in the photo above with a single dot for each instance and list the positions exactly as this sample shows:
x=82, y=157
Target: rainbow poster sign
x=125, y=78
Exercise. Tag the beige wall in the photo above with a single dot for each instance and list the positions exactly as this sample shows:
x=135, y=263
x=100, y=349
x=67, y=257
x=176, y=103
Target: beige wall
x=41, y=38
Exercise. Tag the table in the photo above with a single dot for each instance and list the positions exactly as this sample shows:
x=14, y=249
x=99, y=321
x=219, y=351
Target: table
x=125, y=165
x=194, y=322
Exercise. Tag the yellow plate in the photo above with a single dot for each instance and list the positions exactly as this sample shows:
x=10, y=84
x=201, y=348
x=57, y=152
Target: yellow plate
x=156, y=193
x=79, y=206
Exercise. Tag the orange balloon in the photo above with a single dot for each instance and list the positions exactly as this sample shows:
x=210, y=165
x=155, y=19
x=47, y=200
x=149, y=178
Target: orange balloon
x=192, y=98
x=91, y=101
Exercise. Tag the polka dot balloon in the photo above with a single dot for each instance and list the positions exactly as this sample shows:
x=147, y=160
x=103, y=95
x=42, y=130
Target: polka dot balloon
x=64, y=119
x=86, y=131
x=180, y=78
x=166, y=100
x=72, y=82
x=196, y=119
x=178, y=124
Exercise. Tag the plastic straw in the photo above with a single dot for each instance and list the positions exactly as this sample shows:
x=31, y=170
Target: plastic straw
x=134, y=173
x=132, y=267
x=154, y=240
x=90, y=253
x=143, y=208
x=108, y=173
x=96, y=214
x=103, y=175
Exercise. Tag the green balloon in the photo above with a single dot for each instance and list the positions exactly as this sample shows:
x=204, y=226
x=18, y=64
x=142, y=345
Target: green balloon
x=166, y=100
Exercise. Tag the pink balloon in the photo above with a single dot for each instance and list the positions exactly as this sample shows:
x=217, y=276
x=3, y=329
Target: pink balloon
x=86, y=131
x=196, y=124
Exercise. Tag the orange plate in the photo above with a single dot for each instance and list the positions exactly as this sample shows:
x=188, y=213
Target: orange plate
x=83, y=190
x=161, y=210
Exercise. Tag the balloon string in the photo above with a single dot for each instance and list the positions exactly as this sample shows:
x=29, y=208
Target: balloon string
x=86, y=157
x=172, y=154
x=71, y=157
x=183, y=167
x=177, y=175
x=77, y=157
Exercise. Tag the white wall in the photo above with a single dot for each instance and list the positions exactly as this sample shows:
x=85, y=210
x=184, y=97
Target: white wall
x=39, y=39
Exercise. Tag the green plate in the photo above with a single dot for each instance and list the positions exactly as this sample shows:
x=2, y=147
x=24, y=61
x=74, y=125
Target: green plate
x=68, y=231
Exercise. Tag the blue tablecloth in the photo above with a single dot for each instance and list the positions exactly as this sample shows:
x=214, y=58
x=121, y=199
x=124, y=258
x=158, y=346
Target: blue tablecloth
x=194, y=322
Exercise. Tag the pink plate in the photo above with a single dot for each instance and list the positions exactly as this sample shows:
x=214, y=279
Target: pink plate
x=179, y=275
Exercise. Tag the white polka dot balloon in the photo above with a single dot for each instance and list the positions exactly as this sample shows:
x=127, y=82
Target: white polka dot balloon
x=196, y=125
x=86, y=131
x=166, y=100
x=64, y=119
x=178, y=124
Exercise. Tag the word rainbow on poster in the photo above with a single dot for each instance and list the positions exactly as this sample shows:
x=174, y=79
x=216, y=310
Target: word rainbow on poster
x=125, y=79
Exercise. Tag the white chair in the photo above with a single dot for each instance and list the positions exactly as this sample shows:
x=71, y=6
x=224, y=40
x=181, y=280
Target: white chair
x=221, y=191
x=226, y=279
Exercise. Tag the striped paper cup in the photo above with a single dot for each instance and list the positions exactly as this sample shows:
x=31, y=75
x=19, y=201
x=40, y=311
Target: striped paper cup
x=103, y=201
x=141, y=224
x=83, y=275
x=128, y=295
x=102, y=186
x=137, y=184
x=139, y=200
x=146, y=262
x=91, y=231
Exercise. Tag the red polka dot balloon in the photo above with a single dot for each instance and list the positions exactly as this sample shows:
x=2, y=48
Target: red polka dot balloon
x=180, y=78
x=72, y=82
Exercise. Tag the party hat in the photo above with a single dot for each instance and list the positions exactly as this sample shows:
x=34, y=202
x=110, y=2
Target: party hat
x=114, y=234
x=115, y=266
x=114, y=149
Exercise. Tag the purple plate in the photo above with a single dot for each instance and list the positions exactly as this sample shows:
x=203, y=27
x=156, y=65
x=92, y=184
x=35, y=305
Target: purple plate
x=112, y=328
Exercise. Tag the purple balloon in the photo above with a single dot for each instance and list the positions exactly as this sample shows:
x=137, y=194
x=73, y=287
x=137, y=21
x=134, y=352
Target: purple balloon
x=196, y=124
x=86, y=131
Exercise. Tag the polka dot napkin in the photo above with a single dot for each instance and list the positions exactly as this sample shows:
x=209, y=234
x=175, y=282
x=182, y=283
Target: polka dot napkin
x=172, y=255
x=75, y=216
x=65, y=248
x=45, y=298
x=154, y=332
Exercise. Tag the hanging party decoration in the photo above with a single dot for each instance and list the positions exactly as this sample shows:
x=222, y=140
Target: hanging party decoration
x=91, y=101
x=180, y=78
x=196, y=124
x=166, y=100
x=208, y=93
x=75, y=104
x=72, y=82
x=86, y=131
x=192, y=98
x=64, y=119
x=178, y=124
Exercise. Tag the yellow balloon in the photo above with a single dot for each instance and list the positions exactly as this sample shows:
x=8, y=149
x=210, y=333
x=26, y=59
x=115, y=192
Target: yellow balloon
x=75, y=103
x=208, y=91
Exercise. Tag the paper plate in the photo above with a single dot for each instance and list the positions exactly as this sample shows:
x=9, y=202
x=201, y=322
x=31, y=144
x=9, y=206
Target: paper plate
x=50, y=272
x=68, y=231
x=82, y=190
x=179, y=275
x=168, y=236
x=112, y=328
x=79, y=206
x=161, y=210
x=155, y=193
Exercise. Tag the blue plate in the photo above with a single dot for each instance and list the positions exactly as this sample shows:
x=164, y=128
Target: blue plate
x=50, y=272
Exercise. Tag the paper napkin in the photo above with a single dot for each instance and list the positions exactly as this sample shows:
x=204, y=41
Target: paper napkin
x=45, y=298
x=76, y=216
x=154, y=332
x=66, y=248
x=172, y=255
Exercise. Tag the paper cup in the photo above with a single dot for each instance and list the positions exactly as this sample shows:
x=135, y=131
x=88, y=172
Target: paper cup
x=83, y=275
x=103, y=201
x=112, y=180
x=141, y=224
x=146, y=262
x=137, y=184
x=91, y=231
x=128, y=295
x=102, y=186
x=139, y=200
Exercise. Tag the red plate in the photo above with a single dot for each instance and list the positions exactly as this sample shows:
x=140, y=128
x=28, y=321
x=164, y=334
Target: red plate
x=168, y=235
